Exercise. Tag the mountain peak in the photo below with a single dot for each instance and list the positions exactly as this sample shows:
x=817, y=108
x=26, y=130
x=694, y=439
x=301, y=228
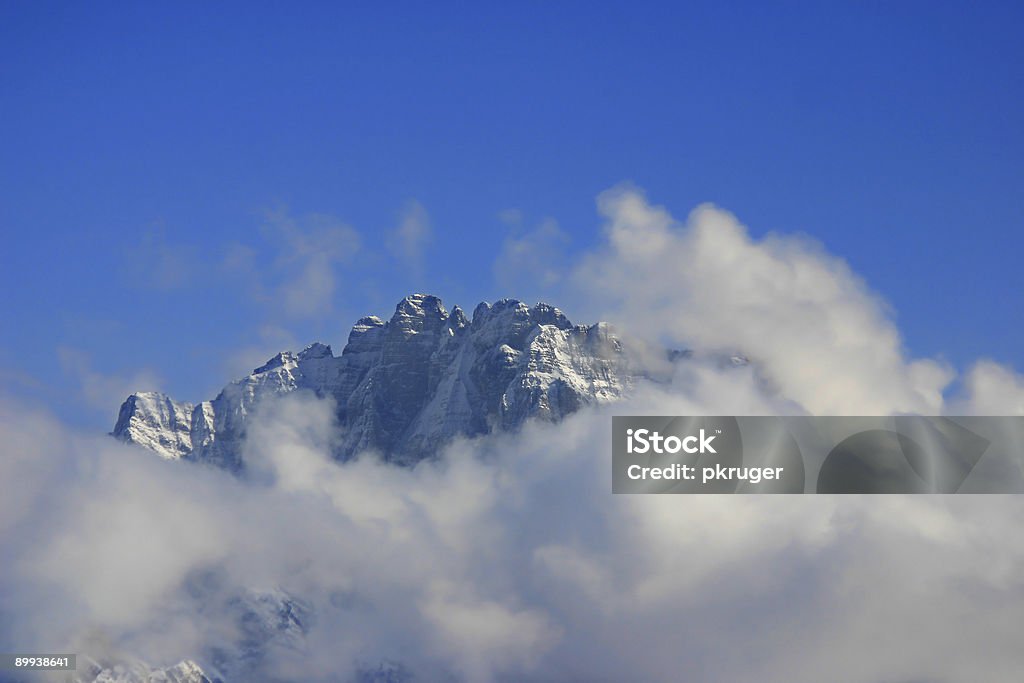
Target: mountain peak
x=425, y=304
x=417, y=313
x=315, y=350
x=407, y=386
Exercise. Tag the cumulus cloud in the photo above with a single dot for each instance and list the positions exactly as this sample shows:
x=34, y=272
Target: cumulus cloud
x=991, y=389
x=821, y=334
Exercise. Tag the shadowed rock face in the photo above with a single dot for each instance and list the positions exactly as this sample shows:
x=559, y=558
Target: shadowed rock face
x=407, y=386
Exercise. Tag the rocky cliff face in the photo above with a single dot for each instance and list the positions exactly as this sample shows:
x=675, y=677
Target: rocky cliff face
x=407, y=386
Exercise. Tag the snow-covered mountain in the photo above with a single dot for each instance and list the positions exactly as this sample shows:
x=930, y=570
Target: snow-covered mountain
x=254, y=628
x=406, y=386
x=92, y=671
x=403, y=388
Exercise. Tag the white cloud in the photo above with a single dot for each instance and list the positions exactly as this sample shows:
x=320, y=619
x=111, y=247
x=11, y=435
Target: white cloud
x=531, y=264
x=309, y=250
x=412, y=235
x=991, y=389
x=294, y=272
x=822, y=336
x=508, y=559
x=484, y=637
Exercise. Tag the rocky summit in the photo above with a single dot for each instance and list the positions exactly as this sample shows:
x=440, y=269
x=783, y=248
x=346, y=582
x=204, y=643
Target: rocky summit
x=405, y=387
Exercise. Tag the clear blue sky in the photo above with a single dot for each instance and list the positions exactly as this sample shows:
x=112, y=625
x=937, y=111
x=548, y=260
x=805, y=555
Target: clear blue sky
x=889, y=131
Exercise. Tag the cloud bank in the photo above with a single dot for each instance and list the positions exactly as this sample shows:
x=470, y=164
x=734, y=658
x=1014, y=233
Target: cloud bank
x=509, y=559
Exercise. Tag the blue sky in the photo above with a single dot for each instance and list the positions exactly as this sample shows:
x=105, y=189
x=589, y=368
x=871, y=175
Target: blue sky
x=169, y=171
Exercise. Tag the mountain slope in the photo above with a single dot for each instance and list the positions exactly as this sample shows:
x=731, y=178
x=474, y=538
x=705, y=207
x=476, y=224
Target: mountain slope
x=405, y=387
x=186, y=671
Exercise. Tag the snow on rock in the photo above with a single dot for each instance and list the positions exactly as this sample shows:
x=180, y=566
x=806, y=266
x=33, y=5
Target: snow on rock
x=186, y=671
x=407, y=386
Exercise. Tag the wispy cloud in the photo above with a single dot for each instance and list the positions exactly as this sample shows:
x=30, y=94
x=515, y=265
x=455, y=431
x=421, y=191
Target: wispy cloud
x=102, y=391
x=308, y=251
x=160, y=263
x=409, y=240
x=291, y=268
x=532, y=263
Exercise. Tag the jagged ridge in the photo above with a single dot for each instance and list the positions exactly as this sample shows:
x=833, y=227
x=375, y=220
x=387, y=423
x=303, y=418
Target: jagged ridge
x=405, y=387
